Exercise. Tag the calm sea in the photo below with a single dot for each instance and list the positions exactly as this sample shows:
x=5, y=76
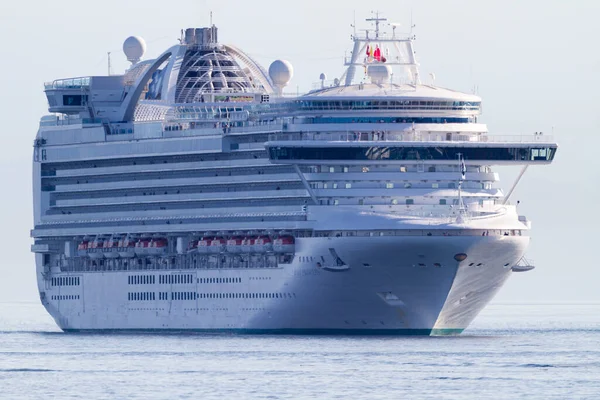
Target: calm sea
x=525, y=351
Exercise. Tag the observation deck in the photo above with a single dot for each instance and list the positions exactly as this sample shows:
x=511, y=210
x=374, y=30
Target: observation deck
x=409, y=148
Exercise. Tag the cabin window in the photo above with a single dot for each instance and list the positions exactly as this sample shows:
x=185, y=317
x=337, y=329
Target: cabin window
x=389, y=185
x=442, y=202
x=410, y=202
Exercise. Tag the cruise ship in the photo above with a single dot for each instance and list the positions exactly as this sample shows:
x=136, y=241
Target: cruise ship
x=192, y=193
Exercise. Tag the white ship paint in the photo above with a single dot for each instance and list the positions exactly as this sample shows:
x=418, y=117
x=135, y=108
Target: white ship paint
x=191, y=193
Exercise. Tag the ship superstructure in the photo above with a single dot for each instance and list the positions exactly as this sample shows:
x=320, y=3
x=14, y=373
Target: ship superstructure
x=191, y=193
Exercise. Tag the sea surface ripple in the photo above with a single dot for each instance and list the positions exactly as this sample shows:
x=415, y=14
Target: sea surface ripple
x=510, y=351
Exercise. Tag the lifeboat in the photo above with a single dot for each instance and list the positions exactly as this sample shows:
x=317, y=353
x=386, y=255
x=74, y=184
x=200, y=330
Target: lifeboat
x=192, y=246
x=110, y=248
x=204, y=244
x=95, y=248
x=284, y=244
x=217, y=245
x=82, y=248
x=234, y=244
x=158, y=246
x=263, y=244
x=141, y=246
x=248, y=244
x=126, y=247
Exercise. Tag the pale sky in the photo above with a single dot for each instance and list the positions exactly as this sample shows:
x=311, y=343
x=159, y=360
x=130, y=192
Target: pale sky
x=536, y=64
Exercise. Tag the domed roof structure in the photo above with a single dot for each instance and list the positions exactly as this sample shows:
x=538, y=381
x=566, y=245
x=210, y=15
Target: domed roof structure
x=134, y=48
x=281, y=73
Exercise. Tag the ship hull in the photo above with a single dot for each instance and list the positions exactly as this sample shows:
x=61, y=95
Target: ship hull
x=377, y=285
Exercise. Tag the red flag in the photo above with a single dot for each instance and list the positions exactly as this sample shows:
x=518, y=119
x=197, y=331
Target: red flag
x=377, y=54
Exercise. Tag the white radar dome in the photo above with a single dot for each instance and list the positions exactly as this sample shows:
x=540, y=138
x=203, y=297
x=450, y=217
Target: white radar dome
x=379, y=73
x=134, y=48
x=281, y=73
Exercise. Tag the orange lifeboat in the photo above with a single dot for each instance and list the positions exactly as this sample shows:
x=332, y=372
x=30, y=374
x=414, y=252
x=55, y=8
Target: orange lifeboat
x=204, y=244
x=158, y=246
x=284, y=244
x=248, y=244
x=127, y=247
x=234, y=244
x=110, y=248
x=217, y=245
x=141, y=247
x=263, y=244
x=82, y=248
x=95, y=248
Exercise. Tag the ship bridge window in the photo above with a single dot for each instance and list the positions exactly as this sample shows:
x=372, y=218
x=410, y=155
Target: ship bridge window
x=74, y=99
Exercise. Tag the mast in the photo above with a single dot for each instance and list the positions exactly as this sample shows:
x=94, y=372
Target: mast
x=377, y=20
x=395, y=51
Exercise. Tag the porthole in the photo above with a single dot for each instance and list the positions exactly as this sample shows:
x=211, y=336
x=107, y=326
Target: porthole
x=460, y=257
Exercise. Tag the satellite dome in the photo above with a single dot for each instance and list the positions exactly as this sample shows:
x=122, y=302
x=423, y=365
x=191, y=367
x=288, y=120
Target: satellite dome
x=134, y=48
x=281, y=73
x=379, y=73
x=323, y=76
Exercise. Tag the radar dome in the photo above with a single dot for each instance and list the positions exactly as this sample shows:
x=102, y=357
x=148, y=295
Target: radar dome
x=134, y=48
x=379, y=73
x=281, y=72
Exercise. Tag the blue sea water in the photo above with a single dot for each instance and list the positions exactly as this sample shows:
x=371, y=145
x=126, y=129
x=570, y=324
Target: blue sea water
x=510, y=351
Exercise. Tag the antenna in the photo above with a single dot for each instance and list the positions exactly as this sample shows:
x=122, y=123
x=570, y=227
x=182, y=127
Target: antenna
x=109, y=63
x=377, y=20
x=211, y=24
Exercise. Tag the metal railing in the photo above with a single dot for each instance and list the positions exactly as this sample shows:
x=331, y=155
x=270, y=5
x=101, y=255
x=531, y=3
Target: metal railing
x=73, y=83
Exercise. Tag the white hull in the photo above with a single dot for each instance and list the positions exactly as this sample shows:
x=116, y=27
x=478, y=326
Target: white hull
x=384, y=290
